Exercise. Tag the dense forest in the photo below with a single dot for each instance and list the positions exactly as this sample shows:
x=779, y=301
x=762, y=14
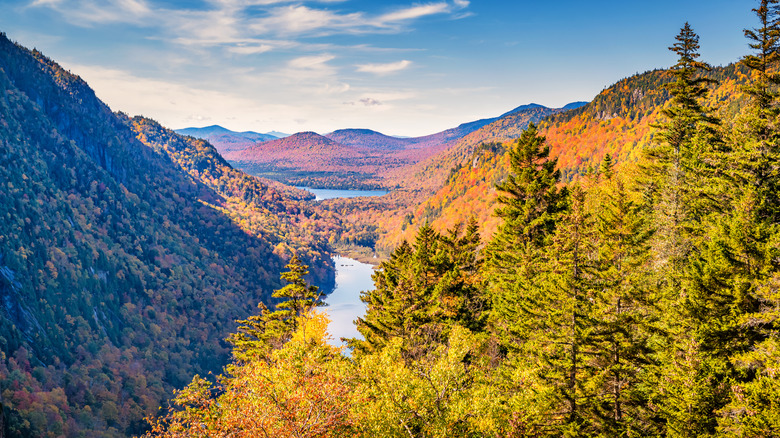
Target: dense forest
x=127, y=252
x=632, y=300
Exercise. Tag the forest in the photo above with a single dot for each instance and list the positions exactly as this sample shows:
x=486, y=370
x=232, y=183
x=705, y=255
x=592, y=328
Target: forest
x=639, y=298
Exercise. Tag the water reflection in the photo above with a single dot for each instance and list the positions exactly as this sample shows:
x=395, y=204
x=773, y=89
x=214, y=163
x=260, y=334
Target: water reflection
x=321, y=194
x=344, y=305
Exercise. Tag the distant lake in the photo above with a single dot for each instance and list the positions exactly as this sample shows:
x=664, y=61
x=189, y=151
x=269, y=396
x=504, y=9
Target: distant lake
x=322, y=194
x=344, y=305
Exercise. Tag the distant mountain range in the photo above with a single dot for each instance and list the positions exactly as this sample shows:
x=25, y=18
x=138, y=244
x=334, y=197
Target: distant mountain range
x=364, y=154
x=226, y=140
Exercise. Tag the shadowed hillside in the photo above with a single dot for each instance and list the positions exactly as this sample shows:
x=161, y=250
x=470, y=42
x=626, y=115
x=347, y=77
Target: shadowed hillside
x=126, y=254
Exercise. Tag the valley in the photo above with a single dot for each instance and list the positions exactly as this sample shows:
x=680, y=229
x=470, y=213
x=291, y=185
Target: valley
x=606, y=268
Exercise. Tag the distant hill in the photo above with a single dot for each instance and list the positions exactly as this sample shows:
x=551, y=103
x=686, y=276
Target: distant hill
x=309, y=151
x=215, y=130
x=368, y=139
x=574, y=105
x=226, y=140
x=127, y=252
x=353, y=158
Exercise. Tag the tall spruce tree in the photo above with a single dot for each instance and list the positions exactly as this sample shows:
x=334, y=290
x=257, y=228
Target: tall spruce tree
x=530, y=203
x=623, y=311
x=562, y=340
x=269, y=330
x=676, y=168
x=687, y=194
x=751, y=233
x=422, y=291
x=757, y=137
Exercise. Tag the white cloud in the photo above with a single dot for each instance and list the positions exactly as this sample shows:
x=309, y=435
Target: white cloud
x=298, y=19
x=383, y=69
x=241, y=22
x=310, y=62
x=414, y=12
x=245, y=49
x=90, y=12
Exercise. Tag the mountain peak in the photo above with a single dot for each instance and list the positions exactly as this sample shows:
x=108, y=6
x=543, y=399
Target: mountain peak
x=523, y=108
x=575, y=105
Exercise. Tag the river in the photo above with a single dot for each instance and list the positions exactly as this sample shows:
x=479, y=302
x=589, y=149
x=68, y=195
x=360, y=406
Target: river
x=322, y=194
x=344, y=305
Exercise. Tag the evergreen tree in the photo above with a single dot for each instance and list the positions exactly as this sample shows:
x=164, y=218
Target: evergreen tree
x=259, y=334
x=757, y=137
x=623, y=311
x=556, y=392
x=751, y=236
x=765, y=40
x=529, y=205
x=677, y=167
x=422, y=290
x=688, y=192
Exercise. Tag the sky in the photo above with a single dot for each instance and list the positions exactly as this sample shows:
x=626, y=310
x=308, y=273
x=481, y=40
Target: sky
x=401, y=67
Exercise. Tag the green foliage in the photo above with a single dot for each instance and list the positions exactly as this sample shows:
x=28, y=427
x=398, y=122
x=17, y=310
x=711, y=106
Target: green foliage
x=267, y=331
x=122, y=266
x=422, y=291
x=530, y=203
x=442, y=393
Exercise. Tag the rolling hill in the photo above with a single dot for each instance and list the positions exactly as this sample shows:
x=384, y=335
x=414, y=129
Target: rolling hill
x=359, y=158
x=226, y=140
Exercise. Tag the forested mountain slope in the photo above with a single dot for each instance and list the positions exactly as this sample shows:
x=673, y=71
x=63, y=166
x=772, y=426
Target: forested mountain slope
x=619, y=122
x=126, y=254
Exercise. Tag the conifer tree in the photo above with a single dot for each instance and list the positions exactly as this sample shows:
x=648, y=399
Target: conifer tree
x=566, y=313
x=623, y=311
x=259, y=334
x=422, y=290
x=751, y=235
x=529, y=204
x=757, y=138
x=557, y=392
x=676, y=168
x=687, y=194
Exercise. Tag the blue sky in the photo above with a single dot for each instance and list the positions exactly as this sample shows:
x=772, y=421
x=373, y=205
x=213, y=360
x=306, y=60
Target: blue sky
x=396, y=66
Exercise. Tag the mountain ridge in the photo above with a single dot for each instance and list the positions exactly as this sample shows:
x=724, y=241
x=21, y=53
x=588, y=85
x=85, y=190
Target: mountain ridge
x=126, y=254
